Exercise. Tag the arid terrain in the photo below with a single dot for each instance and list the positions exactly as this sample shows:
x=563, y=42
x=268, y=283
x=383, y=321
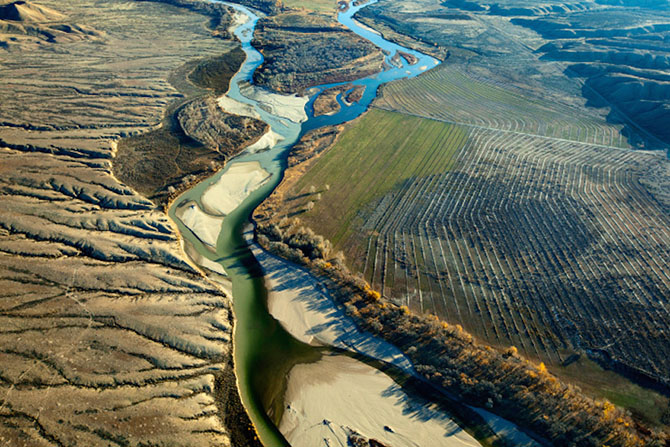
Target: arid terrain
x=109, y=336
x=492, y=230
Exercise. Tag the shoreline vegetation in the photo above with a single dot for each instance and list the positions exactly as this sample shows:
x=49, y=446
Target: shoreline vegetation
x=449, y=358
x=445, y=355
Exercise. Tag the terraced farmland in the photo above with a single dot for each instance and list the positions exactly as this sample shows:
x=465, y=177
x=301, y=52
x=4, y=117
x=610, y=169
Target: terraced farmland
x=546, y=244
x=450, y=94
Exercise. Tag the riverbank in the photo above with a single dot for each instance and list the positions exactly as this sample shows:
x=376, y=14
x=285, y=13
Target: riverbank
x=303, y=306
x=263, y=351
x=306, y=310
x=169, y=159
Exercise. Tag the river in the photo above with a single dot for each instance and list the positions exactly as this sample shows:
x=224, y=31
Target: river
x=286, y=379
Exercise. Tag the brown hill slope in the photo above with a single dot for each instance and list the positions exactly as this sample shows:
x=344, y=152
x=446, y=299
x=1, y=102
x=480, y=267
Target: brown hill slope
x=23, y=11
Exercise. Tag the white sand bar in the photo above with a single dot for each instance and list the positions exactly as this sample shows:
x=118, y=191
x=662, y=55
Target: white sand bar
x=239, y=18
x=234, y=185
x=236, y=107
x=285, y=106
x=212, y=266
x=327, y=399
x=204, y=227
x=365, y=27
x=267, y=141
x=308, y=313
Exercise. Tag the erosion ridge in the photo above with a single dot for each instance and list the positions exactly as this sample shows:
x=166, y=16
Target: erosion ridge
x=620, y=63
x=24, y=25
x=109, y=335
x=22, y=11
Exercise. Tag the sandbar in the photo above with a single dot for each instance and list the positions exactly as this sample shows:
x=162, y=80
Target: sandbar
x=304, y=308
x=328, y=399
x=290, y=107
x=234, y=185
x=204, y=227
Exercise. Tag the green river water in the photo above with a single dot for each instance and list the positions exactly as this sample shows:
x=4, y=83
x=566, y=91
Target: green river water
x=264, y=352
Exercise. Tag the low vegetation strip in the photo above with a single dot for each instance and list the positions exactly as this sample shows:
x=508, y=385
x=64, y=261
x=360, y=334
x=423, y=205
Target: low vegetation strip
x=450, y=94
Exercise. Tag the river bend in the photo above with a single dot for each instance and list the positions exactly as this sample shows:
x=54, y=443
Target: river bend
x=292, y=383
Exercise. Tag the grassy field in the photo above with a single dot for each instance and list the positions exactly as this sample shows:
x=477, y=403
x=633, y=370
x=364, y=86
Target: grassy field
x=375, y=156
x=596, y=381
x=313, y=5
x=527, y=241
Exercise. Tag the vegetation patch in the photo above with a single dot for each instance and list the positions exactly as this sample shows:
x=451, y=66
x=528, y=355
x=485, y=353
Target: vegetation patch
x=326, y=103
x=393, y=146
x=303, y=49
x=214, y=73
x=580, y=54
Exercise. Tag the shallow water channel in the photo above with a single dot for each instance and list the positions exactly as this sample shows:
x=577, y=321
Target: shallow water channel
x=264, y=351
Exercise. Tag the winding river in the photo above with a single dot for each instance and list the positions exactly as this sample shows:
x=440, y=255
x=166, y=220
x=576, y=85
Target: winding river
x=271, y=362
